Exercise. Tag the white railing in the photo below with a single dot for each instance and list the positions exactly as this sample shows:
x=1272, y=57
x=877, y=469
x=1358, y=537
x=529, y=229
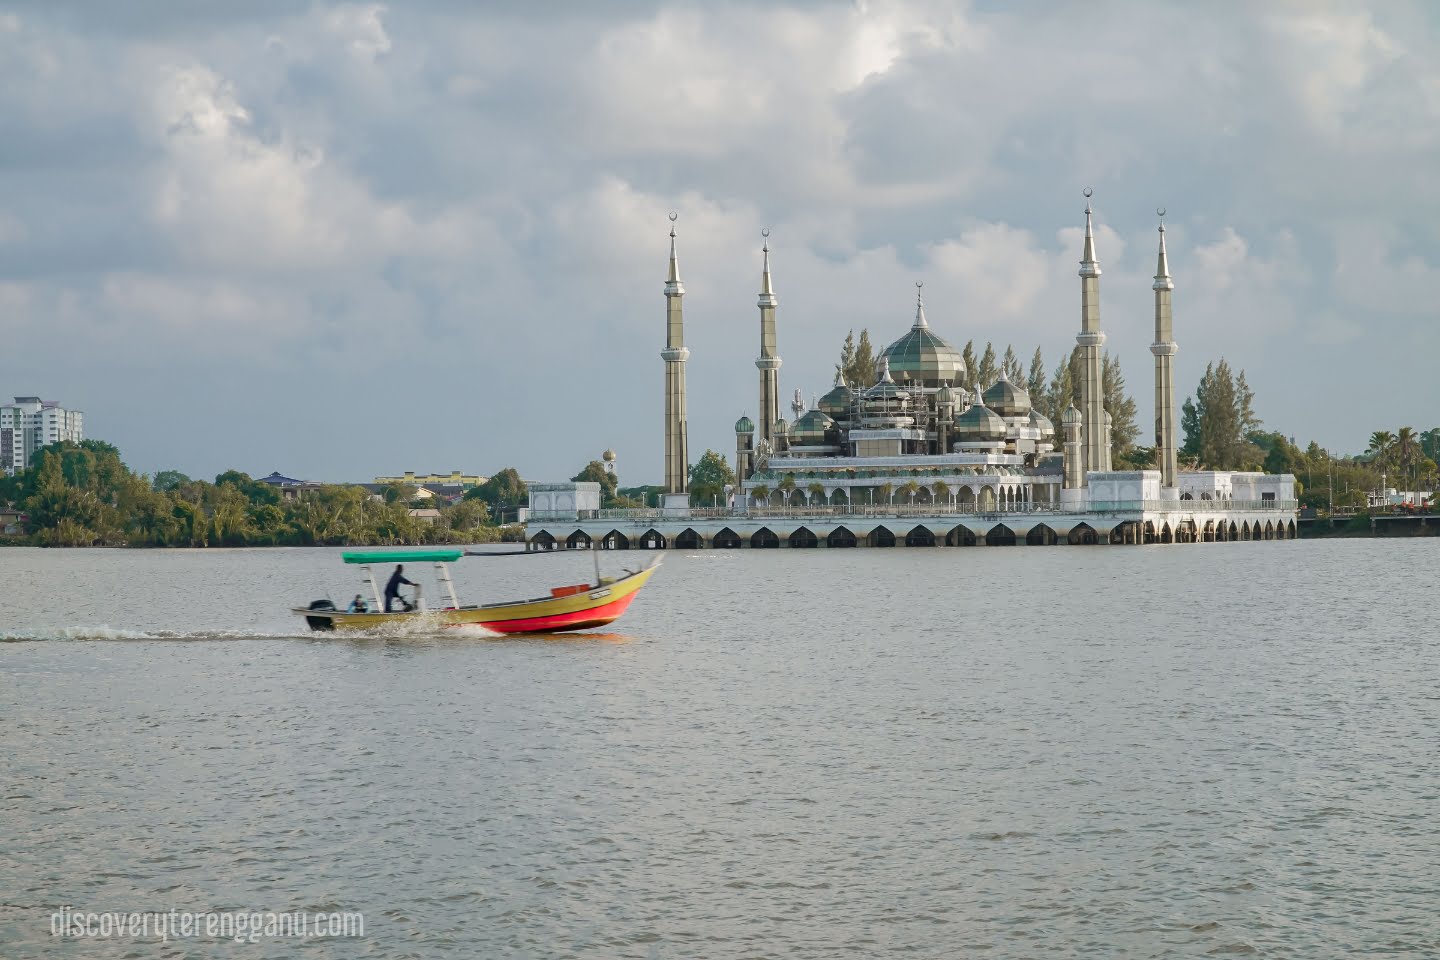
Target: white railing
x=927, y=510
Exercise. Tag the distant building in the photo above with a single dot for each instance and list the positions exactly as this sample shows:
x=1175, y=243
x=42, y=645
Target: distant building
x=31, y=423
x=454, y=478
x=288, y=487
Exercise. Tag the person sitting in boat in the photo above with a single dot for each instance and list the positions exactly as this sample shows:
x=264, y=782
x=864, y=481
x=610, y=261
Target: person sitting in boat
x=392, y=589
x=358, y=605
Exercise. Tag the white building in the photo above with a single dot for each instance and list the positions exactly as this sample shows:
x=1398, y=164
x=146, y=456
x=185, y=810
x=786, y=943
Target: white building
x=31, y=423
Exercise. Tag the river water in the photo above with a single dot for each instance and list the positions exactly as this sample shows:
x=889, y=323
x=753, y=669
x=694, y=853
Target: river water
x=1102, y=752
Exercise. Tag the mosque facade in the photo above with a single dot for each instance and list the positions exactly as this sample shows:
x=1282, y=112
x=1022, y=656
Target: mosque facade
x=917, y=459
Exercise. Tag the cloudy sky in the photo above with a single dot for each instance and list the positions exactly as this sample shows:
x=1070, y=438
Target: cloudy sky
x=342, y=239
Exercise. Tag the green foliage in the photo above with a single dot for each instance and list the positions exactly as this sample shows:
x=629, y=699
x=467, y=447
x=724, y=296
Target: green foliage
x=1014, y=372
x=988, y=371
x=1219, y=420
x=708, y=479
x=83, y=495
x=857, y=361
x=1035, y=384
x=1121, y=407
x=595, y=472
x=503, y=491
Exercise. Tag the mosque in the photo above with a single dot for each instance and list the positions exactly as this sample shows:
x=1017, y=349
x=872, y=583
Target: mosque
x=916, y=459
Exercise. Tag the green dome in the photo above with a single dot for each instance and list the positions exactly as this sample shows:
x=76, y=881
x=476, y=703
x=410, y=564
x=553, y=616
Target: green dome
x=744, y=425
x=812, y=428
x=838, y=401
x=979, y=424
x=947, y=395
x=922, y=356
x=781, y=428
x=1071, y=415
x=1006, y=399
x=1042, y=423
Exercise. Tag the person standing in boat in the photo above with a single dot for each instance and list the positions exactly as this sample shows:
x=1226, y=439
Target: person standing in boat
x=392, y=589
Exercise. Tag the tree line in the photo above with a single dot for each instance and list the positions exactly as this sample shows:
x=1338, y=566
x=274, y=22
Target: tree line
x=83, y=494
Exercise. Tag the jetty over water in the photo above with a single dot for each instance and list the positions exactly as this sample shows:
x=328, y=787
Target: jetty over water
x=555, y=523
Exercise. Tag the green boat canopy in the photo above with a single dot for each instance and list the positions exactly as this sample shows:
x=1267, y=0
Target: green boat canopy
x=404, y=556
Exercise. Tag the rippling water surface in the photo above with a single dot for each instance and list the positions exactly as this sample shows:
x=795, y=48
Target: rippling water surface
x=1016, y=752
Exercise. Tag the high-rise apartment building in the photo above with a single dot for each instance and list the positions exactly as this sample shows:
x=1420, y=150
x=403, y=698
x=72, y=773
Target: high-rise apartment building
x=31, y=423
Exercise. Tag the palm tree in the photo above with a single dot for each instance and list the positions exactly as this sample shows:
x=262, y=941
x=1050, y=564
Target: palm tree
x=817, y=491
x=910, y=488
x=786, y=485
x=1406, y=449
x=1381, y=442
x=942, y=489
x=887, y=490
x=761, y=493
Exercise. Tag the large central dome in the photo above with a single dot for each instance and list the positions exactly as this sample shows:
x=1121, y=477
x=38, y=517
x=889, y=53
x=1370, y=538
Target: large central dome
x=924, y=357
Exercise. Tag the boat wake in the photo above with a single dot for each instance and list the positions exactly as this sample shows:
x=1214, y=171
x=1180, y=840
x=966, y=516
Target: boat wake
x=105, y=632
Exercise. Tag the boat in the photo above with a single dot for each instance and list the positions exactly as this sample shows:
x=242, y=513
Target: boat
x=579, y=606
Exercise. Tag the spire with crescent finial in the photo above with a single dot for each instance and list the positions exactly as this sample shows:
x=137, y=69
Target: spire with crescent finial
x=1089, y=265
x=673, y=286
x=920, y=322
x=768, y=362
x=1162, y=263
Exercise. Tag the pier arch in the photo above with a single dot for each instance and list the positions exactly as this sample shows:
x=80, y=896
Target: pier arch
x=881, y=537
x=1041, y=536
x=1082, y=534
x=689, y=539
x=1165, y=535
x=652, y=539
x=920, y=537
x=579, y=540
x=841, y=537
x=1000, y=536
x=1209, y=534
x=615, y=540
x=764, y=539
x=961, y=536
x=804, y=538
x=727, y=539
x=543, y=540
x=1234, y=531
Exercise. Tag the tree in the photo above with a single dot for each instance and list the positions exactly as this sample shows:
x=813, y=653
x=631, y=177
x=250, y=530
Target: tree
x=909, y=488
x=709, y=477
x=501, y=491
x=1381, y=443
x=817, y=491
x=1430, y=443
x=857, y=361
x=887, y=490
x=786, y=486
x=595, y=472
x=761, y=493
x=1123, y=428
x=167, y=480
x=1064, y=391
x=988, y=372
x=1035, y=384
x=941, y=489
x=972, y=366
x=1014, y=372
x=1219, y=421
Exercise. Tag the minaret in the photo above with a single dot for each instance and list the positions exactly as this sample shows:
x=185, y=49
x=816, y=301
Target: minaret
x=1164, y=349
x=677, y=452
x=1094, y=447
x=769, y=361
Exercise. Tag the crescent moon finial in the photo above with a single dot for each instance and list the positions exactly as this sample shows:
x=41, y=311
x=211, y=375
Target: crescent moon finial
x=674, y=216
x=919, y=284
x=1089, y=193
x=765, y=232
x=1160, y=212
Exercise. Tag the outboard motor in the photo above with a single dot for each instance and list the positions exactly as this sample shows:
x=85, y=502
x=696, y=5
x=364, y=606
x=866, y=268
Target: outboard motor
x=320, y=623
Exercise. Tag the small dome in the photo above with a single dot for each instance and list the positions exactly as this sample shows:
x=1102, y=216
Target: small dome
x=1006, y=399
x=947, y=397
x=744, y=425
x=978, y=424
x=837, y=402
x=812, y=428
x=1071, y=415
x=781, y=428
x=608, y=456
x=1042, y=423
